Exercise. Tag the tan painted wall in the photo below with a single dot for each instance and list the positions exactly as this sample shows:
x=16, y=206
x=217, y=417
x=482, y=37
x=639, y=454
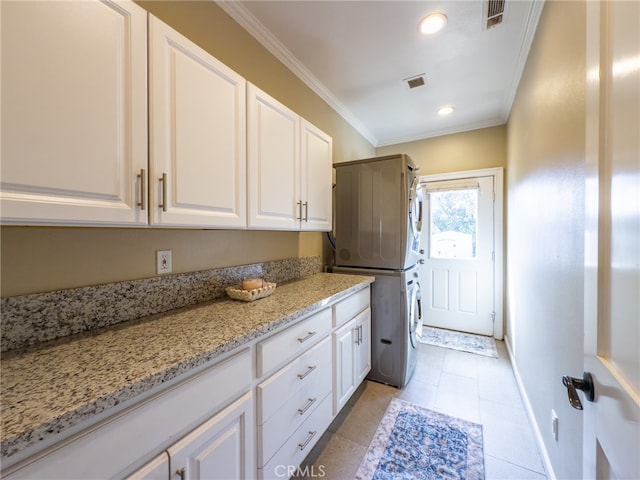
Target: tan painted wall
x=545, y=219
x=475, y=149
x=38, y=259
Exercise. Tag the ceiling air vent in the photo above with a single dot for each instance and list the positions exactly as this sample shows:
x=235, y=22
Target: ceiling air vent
x=495, y=12
x=416, y=81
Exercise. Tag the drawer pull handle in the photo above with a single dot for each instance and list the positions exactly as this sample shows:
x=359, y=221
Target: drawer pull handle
x=181, y=473
x=306, y=337
x=302, y=410
x=309, y=370
x=307, y=440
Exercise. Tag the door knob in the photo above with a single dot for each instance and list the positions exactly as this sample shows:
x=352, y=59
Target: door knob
x=573, y=384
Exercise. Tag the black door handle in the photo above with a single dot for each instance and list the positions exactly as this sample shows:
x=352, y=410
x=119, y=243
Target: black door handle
x=573, y=384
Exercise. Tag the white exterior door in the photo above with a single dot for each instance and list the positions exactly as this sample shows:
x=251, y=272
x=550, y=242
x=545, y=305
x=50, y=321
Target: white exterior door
x=457, y=263
x=612, y=250
x=198, y=134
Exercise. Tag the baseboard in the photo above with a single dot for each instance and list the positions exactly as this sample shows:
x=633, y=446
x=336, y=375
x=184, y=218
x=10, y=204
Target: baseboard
x=532, y=419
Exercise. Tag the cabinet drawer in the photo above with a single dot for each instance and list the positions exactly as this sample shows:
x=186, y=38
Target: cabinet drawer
x=292, y=413
x=289, y=343
x=351, y=306
x=298, y=446
x=306, y=369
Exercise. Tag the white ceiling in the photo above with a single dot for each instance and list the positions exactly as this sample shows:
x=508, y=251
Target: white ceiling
x=355, y=55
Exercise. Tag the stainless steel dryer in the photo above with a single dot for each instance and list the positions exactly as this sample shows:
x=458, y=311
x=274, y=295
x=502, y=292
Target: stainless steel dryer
x=378, y=213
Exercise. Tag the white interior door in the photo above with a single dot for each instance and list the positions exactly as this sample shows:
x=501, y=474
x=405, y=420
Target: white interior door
x=612, y=250
x=457, y=255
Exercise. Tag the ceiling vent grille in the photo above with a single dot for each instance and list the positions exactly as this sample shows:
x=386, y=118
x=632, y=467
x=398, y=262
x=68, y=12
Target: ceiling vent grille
x=495, y=12
x=416, y=81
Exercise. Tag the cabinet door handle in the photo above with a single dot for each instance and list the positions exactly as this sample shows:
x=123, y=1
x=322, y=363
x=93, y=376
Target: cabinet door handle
x=143, y=189
x=302, y=410
x=299, y=204
x=181, y=473
x=306, y=211
x=309, y=370
x=306, y=337
x=303, y=445
x=360, y=334
x=163, y=183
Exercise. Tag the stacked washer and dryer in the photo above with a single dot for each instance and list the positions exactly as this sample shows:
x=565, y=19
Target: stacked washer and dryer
x=378, y=218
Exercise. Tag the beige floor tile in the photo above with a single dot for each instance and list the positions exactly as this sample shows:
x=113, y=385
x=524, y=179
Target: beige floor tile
x=334, y=457
x=361, y=421
x=476, y=388
x=461, y=363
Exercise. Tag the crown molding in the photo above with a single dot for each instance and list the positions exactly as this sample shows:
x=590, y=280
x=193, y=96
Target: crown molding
x=438, y=133
x=533, y=17
x=255, y=28
x=251, y=24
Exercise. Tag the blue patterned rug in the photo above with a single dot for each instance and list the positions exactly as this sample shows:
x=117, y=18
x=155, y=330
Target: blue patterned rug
x=465, y=342
x=414, y=443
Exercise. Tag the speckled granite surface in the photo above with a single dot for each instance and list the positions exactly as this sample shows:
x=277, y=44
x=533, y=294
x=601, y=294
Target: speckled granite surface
x=46, y=389
x=32, y=319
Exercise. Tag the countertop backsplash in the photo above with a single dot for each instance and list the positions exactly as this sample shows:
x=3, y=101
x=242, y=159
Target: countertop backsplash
x=31, y=319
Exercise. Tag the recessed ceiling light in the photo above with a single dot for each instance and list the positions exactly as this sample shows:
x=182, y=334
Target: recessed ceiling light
x=432, y=23
x=446, y=110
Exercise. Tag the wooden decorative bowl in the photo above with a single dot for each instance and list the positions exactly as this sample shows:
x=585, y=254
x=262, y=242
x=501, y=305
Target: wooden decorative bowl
x=237, y=293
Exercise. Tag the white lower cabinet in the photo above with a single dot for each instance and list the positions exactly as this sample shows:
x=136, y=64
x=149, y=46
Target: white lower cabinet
x=287, y=459
x=220, y=449
x=362, y=354
x=352, y=357
x=298, y=389
x=118, y=445
x=229, y=420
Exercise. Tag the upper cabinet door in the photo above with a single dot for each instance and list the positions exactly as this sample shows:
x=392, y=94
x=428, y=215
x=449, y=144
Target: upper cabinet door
x=316, y=178
x=74, y=113
x=273, y=175
x=197, y=135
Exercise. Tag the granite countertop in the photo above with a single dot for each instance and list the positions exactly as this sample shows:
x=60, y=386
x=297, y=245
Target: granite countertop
x=52, y=387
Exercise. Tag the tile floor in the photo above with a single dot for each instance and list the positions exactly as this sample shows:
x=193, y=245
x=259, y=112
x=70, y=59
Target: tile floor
x=473, y=387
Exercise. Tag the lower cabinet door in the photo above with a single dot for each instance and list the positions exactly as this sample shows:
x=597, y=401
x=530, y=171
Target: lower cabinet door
x=363, y=346
x=344, y=356
x=220, y=449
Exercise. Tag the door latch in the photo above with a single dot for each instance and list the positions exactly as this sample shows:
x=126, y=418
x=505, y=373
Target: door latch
x=573, y=384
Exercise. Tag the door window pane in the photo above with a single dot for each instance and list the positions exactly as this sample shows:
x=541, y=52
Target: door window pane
x=453, y=223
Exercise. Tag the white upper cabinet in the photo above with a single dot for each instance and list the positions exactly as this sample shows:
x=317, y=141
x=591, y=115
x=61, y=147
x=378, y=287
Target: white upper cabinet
x=197, y=135
x=74, y=113
x=289, y=168
x=316, y=178
x=273, y=166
